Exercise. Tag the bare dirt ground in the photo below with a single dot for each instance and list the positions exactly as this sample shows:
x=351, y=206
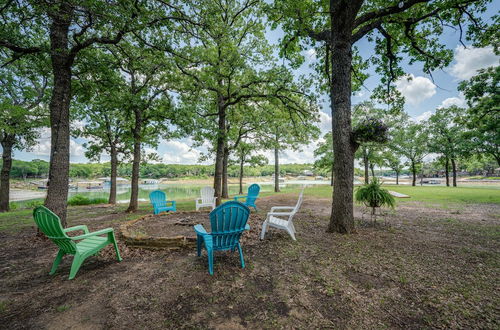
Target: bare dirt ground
x=425, y=268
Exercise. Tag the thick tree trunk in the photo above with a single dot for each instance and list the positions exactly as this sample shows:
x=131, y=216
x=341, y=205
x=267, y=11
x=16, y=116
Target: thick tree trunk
x=276, y=170
x=454, y=170
x=114, y=174
x=57, y=193
x=447, y=171
x=242, y=163
x=7, y=145
x=331, y=179
x=342, y=219
x=219, y=156
x=134, y=193
x=225, y=190
x=414, y=172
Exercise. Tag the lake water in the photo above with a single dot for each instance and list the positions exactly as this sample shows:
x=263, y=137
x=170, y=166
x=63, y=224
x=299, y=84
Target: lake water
x=176, y=191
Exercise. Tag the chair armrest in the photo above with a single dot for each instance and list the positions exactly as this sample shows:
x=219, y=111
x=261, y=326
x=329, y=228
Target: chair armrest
x=200, y=230
x=282, y=208
x=75, y=228
x=95, y=233
x=239, y=197
x=280, y=213
x=247, y=227
x=173, y=202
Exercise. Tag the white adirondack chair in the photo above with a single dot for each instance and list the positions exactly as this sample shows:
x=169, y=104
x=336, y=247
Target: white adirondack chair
x=282, y=219
x=207, y=198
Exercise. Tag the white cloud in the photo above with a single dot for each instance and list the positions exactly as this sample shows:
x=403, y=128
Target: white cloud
x=415, y=89
x=459, y=101
x=325, y=122
x=179, y=153
x=469, y=60
x=311, y=54
x=423, y=117
x=76, y=149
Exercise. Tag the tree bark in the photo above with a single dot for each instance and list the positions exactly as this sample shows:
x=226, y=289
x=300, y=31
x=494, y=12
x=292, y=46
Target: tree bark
x=276, y=170
x=57, y=193
x=114, y=174
x=342, y=219
x=242, y=163
x=219, y=156
x=414, y=172
x=7, y=146
x=397, y=177
x=225, y=190
x=447, y=171
x=372, y=169
x=134, y=193
x=454, y=170
x=332, y=173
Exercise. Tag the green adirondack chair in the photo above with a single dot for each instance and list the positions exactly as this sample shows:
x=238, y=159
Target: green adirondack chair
x=89, y=243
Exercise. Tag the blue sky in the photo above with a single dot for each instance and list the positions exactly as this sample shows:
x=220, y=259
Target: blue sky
x=422, y=97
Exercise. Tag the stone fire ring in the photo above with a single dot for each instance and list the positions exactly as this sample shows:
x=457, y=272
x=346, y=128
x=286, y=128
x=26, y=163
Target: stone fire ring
x=170, y=242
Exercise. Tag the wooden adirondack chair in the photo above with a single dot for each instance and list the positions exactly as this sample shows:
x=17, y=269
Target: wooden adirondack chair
x=251, y=196
x=275, y=218
x=207, y=198
x=227, y=221
x=89, y=243
x=160, y=203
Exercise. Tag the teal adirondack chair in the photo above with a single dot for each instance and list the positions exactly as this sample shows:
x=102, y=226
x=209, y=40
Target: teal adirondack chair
x=160, y=204
x=227, y=221
x=251, y=196
x=89, y=243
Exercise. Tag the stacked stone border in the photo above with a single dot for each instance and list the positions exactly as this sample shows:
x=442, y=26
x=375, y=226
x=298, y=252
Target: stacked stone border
x=148, y=242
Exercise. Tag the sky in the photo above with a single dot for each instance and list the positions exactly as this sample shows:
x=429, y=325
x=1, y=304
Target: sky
x=422, y=96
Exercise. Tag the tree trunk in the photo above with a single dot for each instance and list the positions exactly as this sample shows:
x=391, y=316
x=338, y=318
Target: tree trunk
x=447, y=171
x=7, y=145
x=342, y=219
x=454, y=170
x=414, y=172
x=134, y=193
x=225, y=190
x=276, y=170
x=372, y=169
x=219, y=156
x=57, y=193
x=331, y=179
x=242, y=163
x=397, y=177
x=114, y=174
x=366, y=163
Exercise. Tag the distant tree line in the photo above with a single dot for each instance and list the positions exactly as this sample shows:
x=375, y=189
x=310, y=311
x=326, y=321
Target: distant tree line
x=37, y=169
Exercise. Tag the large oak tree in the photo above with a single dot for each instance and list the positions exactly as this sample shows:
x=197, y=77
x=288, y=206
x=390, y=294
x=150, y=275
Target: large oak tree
x=400, y=31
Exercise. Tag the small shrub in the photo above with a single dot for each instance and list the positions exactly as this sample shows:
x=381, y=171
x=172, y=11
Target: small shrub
x=33, y=204
x=84, y=200
x=12, y=206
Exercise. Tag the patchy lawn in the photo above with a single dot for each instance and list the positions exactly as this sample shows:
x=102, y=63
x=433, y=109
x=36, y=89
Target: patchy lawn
x=427, y=267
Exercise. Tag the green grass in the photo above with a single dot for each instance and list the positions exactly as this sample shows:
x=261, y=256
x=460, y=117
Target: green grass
x=429, y=194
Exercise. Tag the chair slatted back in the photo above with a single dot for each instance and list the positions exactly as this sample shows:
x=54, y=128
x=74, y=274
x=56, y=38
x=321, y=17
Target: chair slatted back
x=253, y=194
x=50, y=224
x=207, y=195
x=299, y=202
x=227, y=223
x=158, y=198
